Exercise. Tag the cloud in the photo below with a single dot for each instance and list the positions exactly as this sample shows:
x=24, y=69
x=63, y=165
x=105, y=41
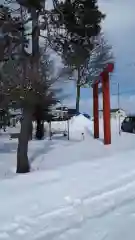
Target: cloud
x=119, y=30
x=119, y=14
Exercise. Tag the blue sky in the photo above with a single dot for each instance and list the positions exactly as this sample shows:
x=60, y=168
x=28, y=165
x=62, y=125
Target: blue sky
x=119, y=30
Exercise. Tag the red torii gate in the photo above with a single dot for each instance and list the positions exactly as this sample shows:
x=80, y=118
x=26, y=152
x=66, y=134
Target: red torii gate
x=106, y=104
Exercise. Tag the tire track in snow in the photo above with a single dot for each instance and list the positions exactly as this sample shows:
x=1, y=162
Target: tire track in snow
x=77, y=212
x=121, y=181
x=76, y=215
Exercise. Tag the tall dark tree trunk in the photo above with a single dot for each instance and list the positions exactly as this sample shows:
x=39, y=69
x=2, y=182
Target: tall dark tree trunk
x=30, y=130
x=78, y=91
x=40, y=130
x=22, y=151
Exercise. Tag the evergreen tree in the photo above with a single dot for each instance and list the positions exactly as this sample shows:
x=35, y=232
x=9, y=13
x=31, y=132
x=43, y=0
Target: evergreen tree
x=81, y=21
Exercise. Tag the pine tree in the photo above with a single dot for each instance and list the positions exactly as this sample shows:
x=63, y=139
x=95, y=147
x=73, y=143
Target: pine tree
x=80, y=21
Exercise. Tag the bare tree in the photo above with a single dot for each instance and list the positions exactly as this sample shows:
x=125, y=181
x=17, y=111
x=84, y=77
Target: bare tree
x=100, y=56
x=10, y=33
x=38, y=93
x=32, y=85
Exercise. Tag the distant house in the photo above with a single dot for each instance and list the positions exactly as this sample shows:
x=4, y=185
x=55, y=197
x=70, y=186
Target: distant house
x=15, y=112
x=63, y=112
x=59, y=112
x=15, y=116
x=115, y=112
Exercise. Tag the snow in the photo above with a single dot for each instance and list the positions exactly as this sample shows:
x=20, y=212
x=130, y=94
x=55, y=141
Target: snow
x=77, y=189
x=79, y=123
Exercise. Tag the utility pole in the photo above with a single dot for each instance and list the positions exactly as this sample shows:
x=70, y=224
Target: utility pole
x=118, y=85
x=118, y=105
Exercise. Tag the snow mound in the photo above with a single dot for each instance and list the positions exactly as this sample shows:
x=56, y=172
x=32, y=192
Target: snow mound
x=80, y=123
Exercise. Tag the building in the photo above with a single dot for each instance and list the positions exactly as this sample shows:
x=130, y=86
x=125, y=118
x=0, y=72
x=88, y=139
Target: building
x=15, y=116
x=63, y=112
x=115, y=112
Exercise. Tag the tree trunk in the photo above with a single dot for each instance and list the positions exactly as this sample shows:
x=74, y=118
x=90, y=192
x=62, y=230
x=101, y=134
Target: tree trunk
x=40, y=130
x=30, y=130
x=78, y=91
x=22, y=151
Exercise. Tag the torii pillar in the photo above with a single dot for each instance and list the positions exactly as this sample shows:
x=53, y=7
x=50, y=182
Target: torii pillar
x=95, y=110
x=106, y=105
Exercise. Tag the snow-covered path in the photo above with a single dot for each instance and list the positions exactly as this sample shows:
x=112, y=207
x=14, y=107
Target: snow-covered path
x=61, y=203
x=79, y=199
x=77, y=190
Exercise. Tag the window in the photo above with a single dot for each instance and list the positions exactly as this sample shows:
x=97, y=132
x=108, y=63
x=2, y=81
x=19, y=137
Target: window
x=127, y=119
x=133, y=119
x=130, y=119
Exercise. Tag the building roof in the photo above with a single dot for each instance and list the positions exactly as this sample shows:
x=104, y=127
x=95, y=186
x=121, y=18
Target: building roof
x=113, y=110
x=15, y=112
x=62, y=108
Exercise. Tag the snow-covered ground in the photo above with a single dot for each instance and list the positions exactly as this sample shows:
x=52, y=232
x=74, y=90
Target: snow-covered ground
x=77, y=189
